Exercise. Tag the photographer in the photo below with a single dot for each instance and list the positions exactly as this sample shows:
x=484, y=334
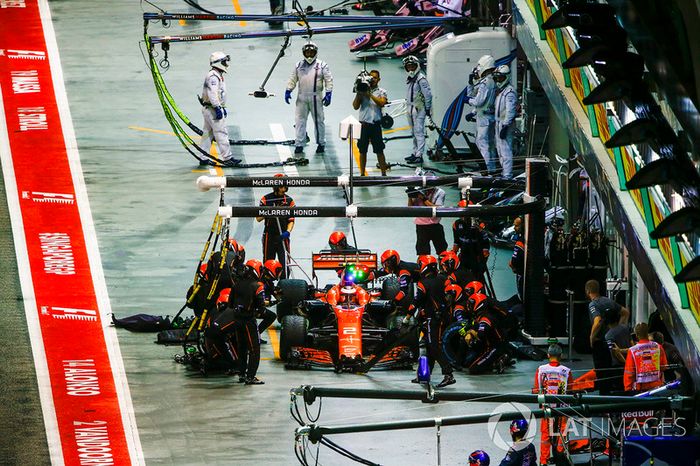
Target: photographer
x=369, y=100
x=428, y=228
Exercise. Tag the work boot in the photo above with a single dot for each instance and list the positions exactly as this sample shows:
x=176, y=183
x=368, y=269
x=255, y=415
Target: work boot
x=414, y=159
x=241, y=379
x=320, y=149
x=412, y=156
x=253, y=381
x=263, y=342
x=447, y=380
x=206, y=162
x=298, y=150
x=231, y=162
x=415, y=380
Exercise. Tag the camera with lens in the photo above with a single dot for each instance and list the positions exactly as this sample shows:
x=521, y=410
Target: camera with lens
x=362, y=82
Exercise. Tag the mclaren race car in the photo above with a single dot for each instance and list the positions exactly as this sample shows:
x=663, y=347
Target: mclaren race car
x=346, y=326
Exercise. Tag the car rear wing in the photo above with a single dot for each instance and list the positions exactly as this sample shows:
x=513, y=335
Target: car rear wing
x=334, y=260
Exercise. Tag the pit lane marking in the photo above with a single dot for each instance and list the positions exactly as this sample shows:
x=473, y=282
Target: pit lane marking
x=284, y=152
x=274, y=342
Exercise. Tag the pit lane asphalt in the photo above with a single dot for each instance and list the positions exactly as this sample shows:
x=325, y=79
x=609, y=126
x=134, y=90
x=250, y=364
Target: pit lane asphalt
x=151, y=224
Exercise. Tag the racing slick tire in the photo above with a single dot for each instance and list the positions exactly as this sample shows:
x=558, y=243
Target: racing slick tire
x=293, y=334
x=292, y=292
x=453, y=346
x=390, y=287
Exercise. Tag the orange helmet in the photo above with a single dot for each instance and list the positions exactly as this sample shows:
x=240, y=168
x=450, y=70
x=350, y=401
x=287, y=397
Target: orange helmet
x=474, y=287
x=223, y=296
x=390, y=257
x=453, y=291
x=273, y=268
x=477, y=302
x=464, y=203
x=338, y=241
x=237, y=249
x=255, y=268
x=449, y=261
x=427, y=264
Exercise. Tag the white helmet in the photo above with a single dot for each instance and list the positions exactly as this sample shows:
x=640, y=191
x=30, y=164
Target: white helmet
x=411, y=60
x=486, y=62
x=309, y=46
x=502, y=75
x=219, y=60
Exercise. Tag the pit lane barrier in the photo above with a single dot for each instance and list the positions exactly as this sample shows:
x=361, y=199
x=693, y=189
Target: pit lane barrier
x=586, y=405
x=353, y=211
x=205, y=183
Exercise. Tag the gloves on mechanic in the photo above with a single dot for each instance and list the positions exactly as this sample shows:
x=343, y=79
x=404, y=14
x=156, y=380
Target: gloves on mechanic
x=504, y=132
x=463, y=331
x=406, y=320
x=220, y=113
x=471, y=117
x=327, y=99
x=288, y=96
x=285, y=235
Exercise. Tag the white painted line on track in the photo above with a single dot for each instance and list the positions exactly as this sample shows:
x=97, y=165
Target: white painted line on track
x=283, y=151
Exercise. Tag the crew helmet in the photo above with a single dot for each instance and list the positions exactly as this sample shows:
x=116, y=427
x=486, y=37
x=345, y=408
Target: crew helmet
x=474, y=287
x=477, y=302
x=427, y=264
x=485, y=63
x=391, y=258
x=273, y=268
x=254, y=268
x=409, y=61
x=502, y=75
x=453, y=292
x=312, y=48
x=337, y=241
x=518, y=428
x=479, y=458
x=223, y=296
x=219, y=60
x=237, y=249
x=449, y=261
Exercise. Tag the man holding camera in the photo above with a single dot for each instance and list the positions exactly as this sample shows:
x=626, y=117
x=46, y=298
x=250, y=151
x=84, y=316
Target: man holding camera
x=428, y=228
x=369, y=100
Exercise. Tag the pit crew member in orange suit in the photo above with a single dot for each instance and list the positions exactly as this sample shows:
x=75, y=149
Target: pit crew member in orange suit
x=645, y=363
x=552, y=378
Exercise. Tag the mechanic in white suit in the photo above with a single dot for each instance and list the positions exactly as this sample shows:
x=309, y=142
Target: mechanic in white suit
x=505, y=108
x=419, y=103
x=482, y=94
x=313, y=76
x=213, y=102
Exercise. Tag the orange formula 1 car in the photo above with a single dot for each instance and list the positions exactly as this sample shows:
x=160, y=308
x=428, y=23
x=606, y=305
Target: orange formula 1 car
x=347, y=326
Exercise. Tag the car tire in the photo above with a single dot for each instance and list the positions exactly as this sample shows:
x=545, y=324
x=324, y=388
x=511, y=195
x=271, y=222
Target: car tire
x=390, y=287
x=452, y=342
x=293, y=334
x=292, y=292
